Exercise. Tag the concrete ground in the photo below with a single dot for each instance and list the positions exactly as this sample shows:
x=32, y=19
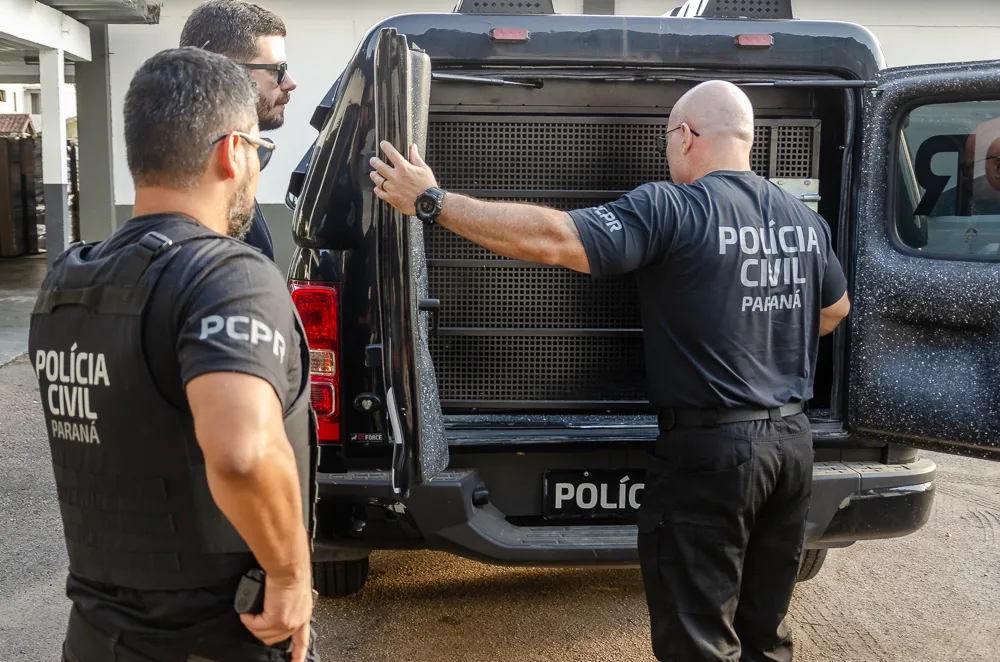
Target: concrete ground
x=20, y=279
x=933, y=596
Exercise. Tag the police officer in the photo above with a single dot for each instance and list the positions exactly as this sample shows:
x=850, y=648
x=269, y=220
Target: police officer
x=737, y=281
x=254, y=37
x=171, y=367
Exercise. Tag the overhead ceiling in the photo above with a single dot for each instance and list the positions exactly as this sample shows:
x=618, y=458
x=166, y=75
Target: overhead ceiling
x=107, y=11
x=19, y=63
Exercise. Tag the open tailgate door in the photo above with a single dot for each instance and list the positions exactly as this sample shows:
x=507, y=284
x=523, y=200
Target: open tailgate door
x=402, y=97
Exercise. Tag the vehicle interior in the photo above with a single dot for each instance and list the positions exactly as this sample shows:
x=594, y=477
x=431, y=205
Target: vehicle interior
x=522, y=342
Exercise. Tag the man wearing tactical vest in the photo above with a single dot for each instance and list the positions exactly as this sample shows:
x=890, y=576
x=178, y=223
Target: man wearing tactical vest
x=171, y=366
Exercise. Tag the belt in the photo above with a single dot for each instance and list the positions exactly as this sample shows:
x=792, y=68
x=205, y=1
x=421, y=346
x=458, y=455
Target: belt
x=671, y=418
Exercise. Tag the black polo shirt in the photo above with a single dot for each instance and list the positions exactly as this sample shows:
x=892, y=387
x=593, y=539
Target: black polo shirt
x=732, y=272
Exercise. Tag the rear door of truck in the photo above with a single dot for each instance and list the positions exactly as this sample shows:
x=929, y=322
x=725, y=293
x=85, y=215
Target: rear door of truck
x=924, y=355
x=415, y=423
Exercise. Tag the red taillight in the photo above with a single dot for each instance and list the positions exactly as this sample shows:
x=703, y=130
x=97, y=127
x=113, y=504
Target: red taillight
x=755, y=40
x=322, y=399
x=318, y=310
x=510, y=35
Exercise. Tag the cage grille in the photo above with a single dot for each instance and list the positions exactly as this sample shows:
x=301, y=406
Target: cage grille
x=794, y=152
x=504, y=368
x=607, y=155
x=504, y=7
x=748, y=9
x=551, y=162
x=545, y=155
x=531, y=297
x=760, y=155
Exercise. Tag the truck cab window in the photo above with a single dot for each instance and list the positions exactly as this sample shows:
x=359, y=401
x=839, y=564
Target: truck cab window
x=948, y=184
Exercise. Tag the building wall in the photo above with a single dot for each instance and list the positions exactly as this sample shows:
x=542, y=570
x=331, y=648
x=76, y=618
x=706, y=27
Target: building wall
x=13, y=101
x=323, y=35
x=16, y=101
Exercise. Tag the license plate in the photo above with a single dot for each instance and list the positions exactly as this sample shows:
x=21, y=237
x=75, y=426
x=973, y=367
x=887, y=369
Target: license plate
x=602, y=493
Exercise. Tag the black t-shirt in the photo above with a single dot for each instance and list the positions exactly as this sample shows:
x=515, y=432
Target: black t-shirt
x=207, y=285
x=732, y=272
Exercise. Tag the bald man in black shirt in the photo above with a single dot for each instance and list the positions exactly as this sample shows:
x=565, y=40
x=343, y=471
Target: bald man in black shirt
x=737, y=281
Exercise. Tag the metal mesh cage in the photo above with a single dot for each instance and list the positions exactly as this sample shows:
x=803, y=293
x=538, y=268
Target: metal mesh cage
x=517, y=335
x=748, y=9
x=485, y=370
x=505, y=7
x=504, y=297
x=541, y=153
x=794, y=151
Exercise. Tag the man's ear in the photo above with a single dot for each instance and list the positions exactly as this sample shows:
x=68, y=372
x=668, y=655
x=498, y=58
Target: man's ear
x=227, y=157
x=688, y=141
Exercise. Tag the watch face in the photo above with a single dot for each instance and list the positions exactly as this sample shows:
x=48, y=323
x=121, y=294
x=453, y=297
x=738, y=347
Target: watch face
x=425, y=205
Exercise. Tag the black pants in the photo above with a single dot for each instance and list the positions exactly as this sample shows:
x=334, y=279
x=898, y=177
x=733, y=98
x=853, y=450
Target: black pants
x=230, y=641
x=721, y=528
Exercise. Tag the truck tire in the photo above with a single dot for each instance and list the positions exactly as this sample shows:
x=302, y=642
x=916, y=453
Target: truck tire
x=811, y=563
x=339, y=579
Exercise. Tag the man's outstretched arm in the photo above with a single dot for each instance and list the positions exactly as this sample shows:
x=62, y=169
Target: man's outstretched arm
x=517, y=231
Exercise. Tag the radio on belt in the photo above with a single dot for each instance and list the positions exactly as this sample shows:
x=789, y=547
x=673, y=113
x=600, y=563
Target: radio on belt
x=250, y=593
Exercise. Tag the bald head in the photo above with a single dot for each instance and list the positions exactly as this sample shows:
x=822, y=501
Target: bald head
x=716, y=109
x=722, y=116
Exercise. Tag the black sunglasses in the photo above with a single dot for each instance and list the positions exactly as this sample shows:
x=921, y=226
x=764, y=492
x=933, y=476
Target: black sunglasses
x=661, y=141
x=264, y=146
x=693, y=132
x=281, y=68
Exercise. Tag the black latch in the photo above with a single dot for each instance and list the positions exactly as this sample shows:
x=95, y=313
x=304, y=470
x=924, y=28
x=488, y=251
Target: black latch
x=373, y=356
x=432, y=306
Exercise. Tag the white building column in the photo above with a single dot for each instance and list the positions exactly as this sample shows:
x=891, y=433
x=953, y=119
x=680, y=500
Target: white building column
x=54, y=162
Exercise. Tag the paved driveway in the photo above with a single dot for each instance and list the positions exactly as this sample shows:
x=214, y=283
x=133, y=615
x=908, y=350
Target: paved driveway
x=930, y=597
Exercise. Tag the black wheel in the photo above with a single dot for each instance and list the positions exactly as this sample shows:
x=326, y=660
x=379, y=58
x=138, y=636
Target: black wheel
x=811, y=563
x=338, y=579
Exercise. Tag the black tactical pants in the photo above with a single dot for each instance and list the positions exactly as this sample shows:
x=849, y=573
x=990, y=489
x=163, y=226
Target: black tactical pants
x=721, y=528
x=228, y=642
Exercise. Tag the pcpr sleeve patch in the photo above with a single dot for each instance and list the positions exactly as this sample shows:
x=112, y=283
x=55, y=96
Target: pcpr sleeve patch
x=239, y=318
x=628, y=233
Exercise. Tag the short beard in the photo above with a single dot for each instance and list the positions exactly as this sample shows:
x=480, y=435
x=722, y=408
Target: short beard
x=267, y=120
x=240, y=214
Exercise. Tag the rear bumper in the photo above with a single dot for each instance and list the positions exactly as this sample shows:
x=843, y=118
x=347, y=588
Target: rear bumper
x=850, y=502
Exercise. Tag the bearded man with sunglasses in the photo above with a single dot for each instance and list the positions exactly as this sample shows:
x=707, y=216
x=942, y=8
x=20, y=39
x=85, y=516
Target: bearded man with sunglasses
x=255, y=38
x=175, y=388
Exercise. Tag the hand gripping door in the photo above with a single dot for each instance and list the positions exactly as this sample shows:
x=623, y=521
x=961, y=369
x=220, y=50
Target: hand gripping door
x=420, y=451
x=925, y=329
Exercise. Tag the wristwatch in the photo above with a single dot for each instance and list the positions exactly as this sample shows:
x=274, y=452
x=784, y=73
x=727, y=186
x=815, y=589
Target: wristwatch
x=429, y=204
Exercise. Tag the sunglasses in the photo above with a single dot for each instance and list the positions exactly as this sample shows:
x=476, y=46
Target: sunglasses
x=693, y=132
x=264, y=146
x=281, y=68
x=661, y=141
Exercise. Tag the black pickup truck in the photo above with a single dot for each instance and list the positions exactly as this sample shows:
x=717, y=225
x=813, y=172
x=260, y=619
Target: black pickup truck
x=496, y=409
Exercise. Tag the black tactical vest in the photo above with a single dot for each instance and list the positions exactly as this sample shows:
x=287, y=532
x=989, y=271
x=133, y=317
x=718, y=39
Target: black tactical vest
x=136, y=507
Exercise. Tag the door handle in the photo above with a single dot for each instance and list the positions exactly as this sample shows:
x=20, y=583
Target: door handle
x=433, y=307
